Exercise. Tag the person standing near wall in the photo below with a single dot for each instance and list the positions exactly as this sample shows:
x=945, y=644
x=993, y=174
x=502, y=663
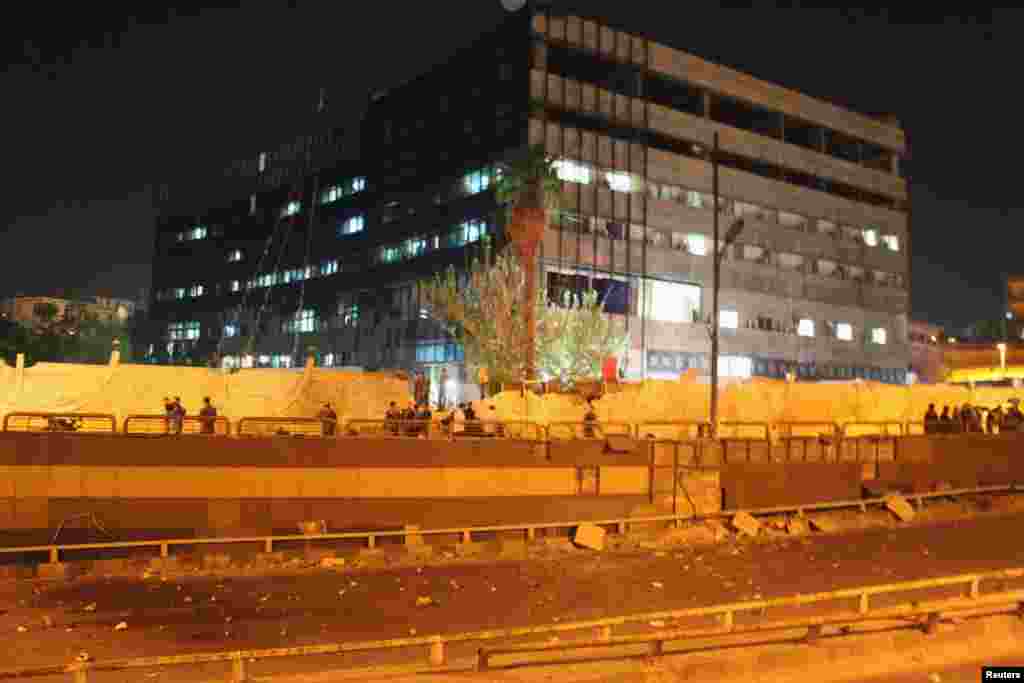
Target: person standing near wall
x=484, y=379
x=207, y=417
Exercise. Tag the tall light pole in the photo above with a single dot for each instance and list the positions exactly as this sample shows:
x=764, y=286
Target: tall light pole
x=719, y=253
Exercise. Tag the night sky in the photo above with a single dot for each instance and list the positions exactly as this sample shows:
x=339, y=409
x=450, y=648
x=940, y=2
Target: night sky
x=98, y=107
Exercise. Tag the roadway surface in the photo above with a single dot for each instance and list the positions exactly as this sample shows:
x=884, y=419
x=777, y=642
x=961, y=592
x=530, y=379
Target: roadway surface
x=215, y=613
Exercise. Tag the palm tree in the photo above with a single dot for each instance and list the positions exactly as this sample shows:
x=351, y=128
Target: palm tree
x=529, y=188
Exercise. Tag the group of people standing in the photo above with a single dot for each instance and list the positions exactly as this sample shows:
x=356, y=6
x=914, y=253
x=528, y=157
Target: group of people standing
x=968, y=419
x=175, y=412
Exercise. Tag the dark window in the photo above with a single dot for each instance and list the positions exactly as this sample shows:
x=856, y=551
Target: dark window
x=745, y=116
x=612, y=76
x=675, y=95
x=803, y=134
x=614, y=294
x=877, y=158
x=842, y=146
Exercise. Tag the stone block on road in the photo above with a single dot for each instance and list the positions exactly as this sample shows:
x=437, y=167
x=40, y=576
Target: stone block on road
x=589, y=536
x=824, y=523
x=900, y=507
x=746, y=524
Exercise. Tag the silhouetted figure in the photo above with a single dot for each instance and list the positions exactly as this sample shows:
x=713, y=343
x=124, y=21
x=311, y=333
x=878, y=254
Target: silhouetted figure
x=956, y=424
x=329, y=419
x=179, y=415
x=931, y=420
x=994, y=419
x=207, y=417
x=945, y=421
x=589, y=421
x=1013, y=419
x=169, y=411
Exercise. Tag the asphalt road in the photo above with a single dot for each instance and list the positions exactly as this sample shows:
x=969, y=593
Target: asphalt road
x=203, y=613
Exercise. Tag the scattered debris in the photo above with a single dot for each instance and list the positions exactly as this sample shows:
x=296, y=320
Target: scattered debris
x=658, y=623
x=412, y=632
x=589, y=536
x=424, y=601
x=824, y=524
x=796, y=526
x=934, y=678
x=22, y=629
x=657, y=584
x=188, y=598
x=91, y=607
x=332, y=562
x=900, y=507
x=48, y=621
x=746, y=524
x=121, y=626
x=84, y=656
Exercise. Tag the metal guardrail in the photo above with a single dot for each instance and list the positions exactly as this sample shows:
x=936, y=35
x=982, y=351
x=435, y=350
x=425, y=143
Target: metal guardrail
x=161, y=425
x=724, y=616
x=588, y=430
x=853, y=429
x=439, y=429
x=672, y=431
x=806, y=430
x=754, y=431
x=77, y=423
x=280, y=426
x=621, y=524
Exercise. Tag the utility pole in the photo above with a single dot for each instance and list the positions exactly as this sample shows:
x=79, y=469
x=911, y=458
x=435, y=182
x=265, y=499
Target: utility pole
x=716, y=272
x=718, y=253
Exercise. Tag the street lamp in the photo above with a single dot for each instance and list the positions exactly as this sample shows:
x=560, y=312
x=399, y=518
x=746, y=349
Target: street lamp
x=730, y=236
x=1002, y=357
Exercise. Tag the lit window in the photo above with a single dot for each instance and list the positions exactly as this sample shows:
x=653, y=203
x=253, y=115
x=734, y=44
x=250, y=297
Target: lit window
x=878, y=335
x=303, y=321
x=844, y=331
x=349, y=316
x=477, y=181
x=415, y=247
x=805, y=328
x=693, y=199
x=236, y=286
x=247, y=361
x=871, y=238
x=329, y=267
x=619, y=182
x=263, y=162
x=892, y=242
x=229, y=362
x=572, y=172
x=330, y=194
x=231, y=330
x=196, y=290
x=390, y=254
x=183, y=331
x=472, y=231
x=328, y=360
x=290, y=209
x=278, y=360
x=730, y=320
x=234, y=256
x=697, y=244
x=351, y=226
x=179, y=292
x=252, y=204
x=673, y=302
x=357, y=184
x=196, y=233
x=741, y=367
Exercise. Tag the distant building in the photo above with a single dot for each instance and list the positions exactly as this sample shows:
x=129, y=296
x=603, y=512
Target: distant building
x=815, y=286
x=1015, y=306
x=33, y=310
x=926, y=352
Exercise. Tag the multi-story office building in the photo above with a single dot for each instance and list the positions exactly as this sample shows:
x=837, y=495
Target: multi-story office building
x=816, y=284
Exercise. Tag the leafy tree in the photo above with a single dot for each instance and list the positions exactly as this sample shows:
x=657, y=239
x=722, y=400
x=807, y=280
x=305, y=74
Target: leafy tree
x=485, y=314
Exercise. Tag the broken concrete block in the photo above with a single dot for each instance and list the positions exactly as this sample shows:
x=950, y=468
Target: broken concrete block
x=589, y=536
x=824, y=524
x=52, y=570
x=900, y=507
x=796, y=526
x=413, y=538
x=746, y=524
x=332, y=562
